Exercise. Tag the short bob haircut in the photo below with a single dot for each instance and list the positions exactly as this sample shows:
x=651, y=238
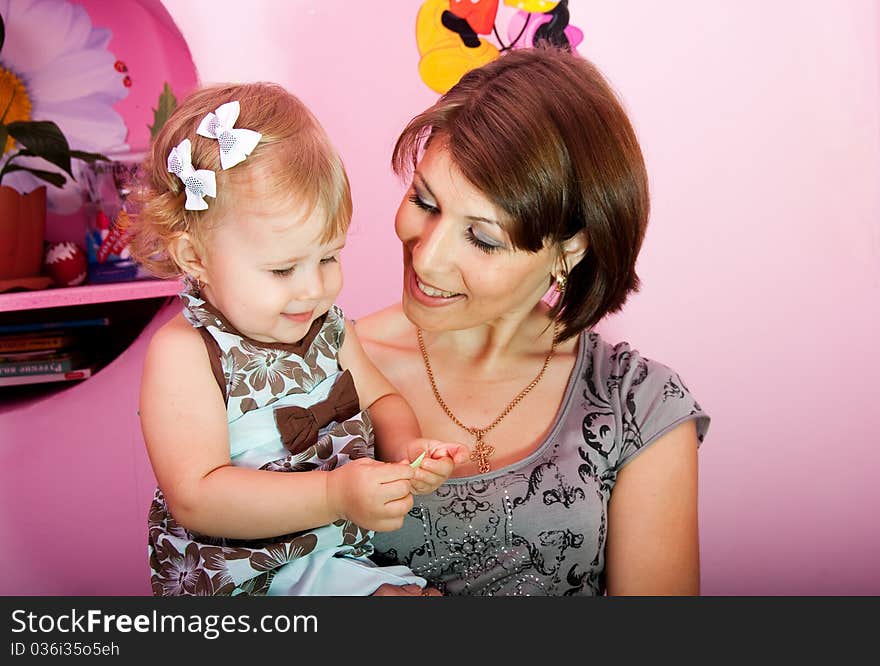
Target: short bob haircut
x=543, y=136
x=294, y=165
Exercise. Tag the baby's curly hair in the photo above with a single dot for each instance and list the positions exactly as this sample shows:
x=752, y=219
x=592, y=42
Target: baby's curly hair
x=294, y=163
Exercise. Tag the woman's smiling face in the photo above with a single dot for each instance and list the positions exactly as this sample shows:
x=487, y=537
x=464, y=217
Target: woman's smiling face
x=460, y=267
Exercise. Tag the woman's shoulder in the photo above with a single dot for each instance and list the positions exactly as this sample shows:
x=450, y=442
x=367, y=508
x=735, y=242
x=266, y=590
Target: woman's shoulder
x=385, y=328
x=619, y=364
x=648, y=397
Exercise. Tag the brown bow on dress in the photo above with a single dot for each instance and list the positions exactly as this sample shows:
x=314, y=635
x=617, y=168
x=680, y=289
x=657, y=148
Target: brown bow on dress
x=299, y=426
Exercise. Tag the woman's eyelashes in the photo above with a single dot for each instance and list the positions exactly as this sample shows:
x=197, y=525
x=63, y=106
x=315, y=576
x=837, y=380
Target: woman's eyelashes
x=422, y=204
x=483, y=244
x=480, y=244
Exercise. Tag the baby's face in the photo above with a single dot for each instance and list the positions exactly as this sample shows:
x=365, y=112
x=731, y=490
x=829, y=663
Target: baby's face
x=270, y=274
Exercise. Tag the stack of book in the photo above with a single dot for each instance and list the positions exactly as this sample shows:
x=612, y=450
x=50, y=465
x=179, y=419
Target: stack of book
x=34, y=353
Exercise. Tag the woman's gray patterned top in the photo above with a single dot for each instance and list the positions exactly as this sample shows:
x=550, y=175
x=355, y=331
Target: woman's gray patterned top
x=538, y=526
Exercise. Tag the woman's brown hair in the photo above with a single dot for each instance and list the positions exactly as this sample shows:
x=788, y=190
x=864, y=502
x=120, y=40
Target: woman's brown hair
x=543, y=136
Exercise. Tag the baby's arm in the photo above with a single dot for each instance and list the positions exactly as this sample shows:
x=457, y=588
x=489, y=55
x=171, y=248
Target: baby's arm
x=397, y=430
x=183, y=418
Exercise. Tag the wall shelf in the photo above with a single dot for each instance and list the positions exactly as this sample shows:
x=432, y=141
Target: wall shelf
x=129, y=307
x=86, y=294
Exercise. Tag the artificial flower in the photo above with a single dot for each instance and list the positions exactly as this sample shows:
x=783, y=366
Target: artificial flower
x=54, y=65
x=525, y=23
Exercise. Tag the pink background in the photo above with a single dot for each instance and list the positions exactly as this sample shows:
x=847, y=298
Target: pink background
x=761, y=271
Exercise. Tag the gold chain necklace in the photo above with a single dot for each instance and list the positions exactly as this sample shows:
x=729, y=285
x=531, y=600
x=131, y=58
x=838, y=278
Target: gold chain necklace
x=481, y=451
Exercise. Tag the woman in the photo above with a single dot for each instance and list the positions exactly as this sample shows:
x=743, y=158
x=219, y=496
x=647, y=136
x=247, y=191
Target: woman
x=528, y=186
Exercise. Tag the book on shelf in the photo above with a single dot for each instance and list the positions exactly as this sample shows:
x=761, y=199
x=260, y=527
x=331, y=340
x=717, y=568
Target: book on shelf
x=28, y=327
x=39, y=363
x=36, y=341
x=72, y=375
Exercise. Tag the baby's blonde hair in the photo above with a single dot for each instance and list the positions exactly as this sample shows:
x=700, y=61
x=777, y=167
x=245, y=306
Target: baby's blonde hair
x=294, y=163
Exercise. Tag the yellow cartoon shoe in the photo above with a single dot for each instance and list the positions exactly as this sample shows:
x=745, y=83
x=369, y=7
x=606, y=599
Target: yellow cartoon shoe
x=442, y=68
x=430, y=33
x=447, y=37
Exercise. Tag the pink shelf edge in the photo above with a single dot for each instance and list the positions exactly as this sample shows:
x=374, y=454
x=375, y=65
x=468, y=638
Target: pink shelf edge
x=92, y=293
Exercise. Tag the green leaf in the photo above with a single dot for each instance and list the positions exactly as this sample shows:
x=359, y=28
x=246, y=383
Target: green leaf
x=55, y=179
x=167, y=104
x=74, y=154
x=44, y=139
x=91, y=158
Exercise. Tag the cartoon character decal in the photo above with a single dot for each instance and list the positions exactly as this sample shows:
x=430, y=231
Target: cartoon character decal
x=448, y=34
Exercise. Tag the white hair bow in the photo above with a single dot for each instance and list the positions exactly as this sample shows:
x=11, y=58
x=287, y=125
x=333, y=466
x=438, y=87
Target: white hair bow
x=199, y=183
x=235, y=144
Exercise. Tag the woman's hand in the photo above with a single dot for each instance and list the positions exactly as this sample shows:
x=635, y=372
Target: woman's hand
x=372, y=494
x=436, y=466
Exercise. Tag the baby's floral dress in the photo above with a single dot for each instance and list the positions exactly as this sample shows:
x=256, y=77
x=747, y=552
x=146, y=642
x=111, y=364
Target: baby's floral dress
x=290, y=408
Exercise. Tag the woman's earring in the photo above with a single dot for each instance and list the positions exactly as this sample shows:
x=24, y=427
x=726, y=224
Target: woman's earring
x=560, y=284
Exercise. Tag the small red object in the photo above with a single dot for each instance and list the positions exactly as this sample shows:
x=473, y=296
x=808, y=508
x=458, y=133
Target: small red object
x=120, y=66
x=65, y=263
x=116, y=238
x=480, y=14
x=102, y=220
x=127, y=82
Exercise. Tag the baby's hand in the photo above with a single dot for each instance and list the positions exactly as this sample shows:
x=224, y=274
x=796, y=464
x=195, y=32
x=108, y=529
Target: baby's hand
x=371, y=494
x=437, y=462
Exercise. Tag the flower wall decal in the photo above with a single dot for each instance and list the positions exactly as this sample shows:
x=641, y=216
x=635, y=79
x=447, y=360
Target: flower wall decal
x=55, y=66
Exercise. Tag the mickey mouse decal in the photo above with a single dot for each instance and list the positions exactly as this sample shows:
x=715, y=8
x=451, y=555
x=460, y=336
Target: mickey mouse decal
x=448, y=34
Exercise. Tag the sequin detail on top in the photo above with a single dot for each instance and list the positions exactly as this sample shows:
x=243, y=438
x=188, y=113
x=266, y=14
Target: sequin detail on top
x=259, y=380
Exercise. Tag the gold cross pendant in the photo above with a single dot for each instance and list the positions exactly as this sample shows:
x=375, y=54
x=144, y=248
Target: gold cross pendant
x=481, y=452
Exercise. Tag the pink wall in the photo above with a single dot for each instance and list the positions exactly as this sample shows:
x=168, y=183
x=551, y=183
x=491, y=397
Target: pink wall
x=76, y=486
x=761, y=269
x=760, y=123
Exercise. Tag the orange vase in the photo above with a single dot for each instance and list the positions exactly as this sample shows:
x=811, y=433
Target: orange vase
x=22, y=229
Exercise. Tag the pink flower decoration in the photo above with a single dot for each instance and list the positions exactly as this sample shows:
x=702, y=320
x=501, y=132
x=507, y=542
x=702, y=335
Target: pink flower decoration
x=514, y=27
